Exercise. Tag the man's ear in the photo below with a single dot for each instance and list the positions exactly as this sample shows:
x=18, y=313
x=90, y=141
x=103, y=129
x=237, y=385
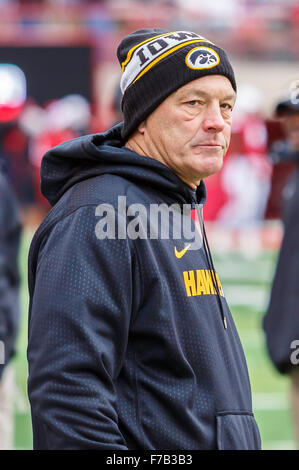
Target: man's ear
x=141, y=127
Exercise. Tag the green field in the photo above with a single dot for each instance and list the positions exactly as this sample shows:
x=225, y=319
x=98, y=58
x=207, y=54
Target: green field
x=246, y=285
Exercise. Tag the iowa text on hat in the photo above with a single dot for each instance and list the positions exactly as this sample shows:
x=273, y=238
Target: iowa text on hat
x=146, y=54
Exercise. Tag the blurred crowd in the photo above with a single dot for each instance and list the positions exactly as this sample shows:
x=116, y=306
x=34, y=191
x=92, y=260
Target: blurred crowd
x=263, y=29
x=26, y=137
x=247, y=28
x=28, y=130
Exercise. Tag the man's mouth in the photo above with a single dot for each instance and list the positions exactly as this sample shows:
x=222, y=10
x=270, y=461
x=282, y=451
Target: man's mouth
x=208, y=145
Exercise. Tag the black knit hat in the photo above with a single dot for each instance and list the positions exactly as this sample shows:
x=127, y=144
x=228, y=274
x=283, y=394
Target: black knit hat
x=156, y=62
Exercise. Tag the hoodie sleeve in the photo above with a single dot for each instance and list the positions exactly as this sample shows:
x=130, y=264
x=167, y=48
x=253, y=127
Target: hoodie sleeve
x=78, y=330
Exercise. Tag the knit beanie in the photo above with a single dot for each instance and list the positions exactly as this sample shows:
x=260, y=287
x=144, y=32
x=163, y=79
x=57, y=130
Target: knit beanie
x=156, y=62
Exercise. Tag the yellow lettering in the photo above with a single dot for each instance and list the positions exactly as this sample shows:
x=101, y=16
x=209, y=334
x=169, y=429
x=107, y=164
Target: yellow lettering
x=209, y=282
x=204, y=284
x=189, y=280
x=204, y=280
x=201, y=285
x=219, y=285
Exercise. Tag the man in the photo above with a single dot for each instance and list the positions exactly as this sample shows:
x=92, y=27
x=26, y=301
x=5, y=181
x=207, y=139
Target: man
x=281, y=323
x=131, y=342
x=10, y=230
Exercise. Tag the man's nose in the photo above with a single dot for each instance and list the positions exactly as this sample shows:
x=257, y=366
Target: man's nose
x=213, y=119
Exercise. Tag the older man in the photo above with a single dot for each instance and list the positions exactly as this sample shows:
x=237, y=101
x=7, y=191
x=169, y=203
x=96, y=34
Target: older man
x=131, y=342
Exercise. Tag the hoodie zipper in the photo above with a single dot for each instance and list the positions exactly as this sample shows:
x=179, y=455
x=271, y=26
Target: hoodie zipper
x=209, y=260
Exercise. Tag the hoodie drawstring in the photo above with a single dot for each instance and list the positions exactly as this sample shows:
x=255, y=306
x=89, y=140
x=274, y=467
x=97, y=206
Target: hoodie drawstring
x=211, y=265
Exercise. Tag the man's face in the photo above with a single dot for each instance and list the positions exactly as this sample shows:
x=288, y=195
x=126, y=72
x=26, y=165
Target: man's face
x=291, y=127
x=190, y=130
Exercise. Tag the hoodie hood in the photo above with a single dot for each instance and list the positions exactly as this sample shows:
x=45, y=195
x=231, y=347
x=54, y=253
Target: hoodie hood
x=97, y=154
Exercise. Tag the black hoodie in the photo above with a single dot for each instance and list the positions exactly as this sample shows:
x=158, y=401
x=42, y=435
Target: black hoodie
x=131, y=342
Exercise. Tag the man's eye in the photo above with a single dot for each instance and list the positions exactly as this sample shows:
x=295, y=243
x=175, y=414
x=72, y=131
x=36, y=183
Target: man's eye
x=193, y=102
x=227, y=107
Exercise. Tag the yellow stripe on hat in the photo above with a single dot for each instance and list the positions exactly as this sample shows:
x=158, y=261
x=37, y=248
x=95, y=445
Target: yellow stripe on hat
x=129, y=55
x=173, y=49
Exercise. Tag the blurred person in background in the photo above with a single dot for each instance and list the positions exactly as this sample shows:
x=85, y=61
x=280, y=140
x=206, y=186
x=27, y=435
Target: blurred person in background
x=48, y=126
x=13, y=140
x=10, y=231
x=12, y=152
x=247, y=172
x=281, y=322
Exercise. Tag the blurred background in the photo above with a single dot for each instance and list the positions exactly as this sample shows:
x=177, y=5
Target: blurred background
x=59, y=79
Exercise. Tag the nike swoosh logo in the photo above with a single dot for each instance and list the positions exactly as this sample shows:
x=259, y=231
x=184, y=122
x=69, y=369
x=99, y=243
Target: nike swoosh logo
x=180, y=254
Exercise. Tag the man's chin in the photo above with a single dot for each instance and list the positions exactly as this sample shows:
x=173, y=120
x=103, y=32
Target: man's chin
x=211, y=166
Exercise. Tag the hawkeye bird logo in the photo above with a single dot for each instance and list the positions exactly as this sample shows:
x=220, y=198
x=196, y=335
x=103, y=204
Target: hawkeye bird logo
x=180, y=254
x=202, y=58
